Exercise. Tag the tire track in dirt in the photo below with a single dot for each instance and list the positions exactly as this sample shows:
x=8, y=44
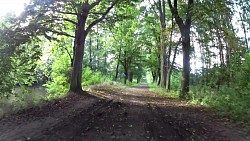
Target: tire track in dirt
x=113, y=114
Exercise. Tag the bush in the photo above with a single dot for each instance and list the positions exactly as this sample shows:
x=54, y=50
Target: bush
x=228, y=101
x=91, y=78
x=59, y=85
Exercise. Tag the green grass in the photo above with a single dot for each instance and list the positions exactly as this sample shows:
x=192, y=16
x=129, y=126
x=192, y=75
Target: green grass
x=171, y=94
x=231, y=102
x=228, y=101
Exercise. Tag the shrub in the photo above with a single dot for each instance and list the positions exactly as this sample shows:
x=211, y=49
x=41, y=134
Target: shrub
x=91, y=78
x=228, y=101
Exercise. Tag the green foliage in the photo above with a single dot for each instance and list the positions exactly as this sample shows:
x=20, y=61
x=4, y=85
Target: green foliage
x=162, y=91
x=91, y=78
x=229, y=101
x=176, y=80
x=60, y=75
x=19, y=53
x=244, y=73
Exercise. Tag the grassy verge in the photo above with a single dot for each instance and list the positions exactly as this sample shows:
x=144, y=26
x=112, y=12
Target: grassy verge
x=230, y=102
x=171, y=94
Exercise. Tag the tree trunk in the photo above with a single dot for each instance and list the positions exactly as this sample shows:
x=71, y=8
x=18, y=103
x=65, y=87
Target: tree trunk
x=163, y=46
x=118, y=63
x=125, y=75
x=80, y=36
x=244, y=29
x=169, y=67
x=125, y=68
x=90, y=54
x=154, y=76
x=97, y=48
x=163, y=60
x=159, y=71
x=186, y=48
x=130, y=77
x=220, y=48
x=170, y=70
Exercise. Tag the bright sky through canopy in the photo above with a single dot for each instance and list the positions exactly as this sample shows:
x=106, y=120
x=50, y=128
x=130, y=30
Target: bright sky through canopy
x=16, y=6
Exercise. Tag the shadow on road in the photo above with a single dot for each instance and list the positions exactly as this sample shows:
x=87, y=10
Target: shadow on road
x=109, y=113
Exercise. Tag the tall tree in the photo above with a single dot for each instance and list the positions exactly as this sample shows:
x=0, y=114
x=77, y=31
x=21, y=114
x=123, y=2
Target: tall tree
x=53, y=17
x=80, y=36
x=162, y=12
x=185, y=36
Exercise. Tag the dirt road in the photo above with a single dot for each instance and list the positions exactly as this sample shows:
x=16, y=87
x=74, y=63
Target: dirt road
x=117, y=114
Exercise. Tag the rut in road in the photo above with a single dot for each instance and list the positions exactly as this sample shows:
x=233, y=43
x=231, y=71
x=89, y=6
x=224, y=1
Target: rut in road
x=119, y=114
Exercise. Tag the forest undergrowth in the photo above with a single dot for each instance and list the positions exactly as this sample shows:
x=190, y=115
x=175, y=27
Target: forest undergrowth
x=227, y=102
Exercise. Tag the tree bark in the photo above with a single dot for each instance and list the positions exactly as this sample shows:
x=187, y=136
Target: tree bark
x=169, y=67
x=244, y=29
x=125, y=68
x=90, y=54
x=130, y=77
x=80, y=36
x=154, y=76
x=118, y=63
x=186, y=64
x=161, y=9
x=159, y=71
x=186, y=48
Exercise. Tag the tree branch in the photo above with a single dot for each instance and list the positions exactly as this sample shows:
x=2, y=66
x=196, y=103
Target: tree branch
x=188, y=16
x=100, y=19
x=175, y=13
x=63, y=19
x=62, y=12
x=59, y=33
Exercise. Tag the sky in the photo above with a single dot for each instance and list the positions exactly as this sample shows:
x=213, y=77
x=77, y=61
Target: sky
x=15, y=6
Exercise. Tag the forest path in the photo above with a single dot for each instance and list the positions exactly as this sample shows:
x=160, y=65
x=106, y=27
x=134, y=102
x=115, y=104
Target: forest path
x=110, y=113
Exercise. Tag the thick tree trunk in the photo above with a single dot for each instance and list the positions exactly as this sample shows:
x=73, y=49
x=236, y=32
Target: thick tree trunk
x=186, y=63
x=80, y=36
x=76, y=76
x=186, y=48
x=130, y=77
